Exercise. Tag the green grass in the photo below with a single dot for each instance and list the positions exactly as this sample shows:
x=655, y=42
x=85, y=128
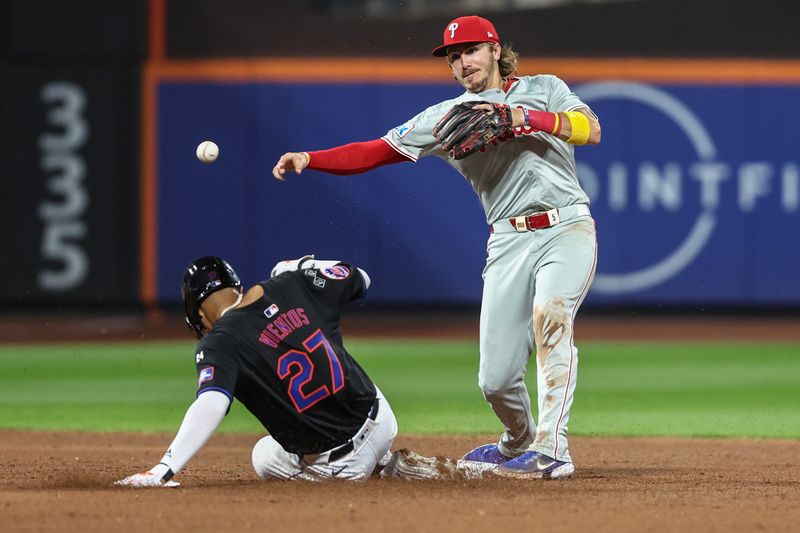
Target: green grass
x=706, y=389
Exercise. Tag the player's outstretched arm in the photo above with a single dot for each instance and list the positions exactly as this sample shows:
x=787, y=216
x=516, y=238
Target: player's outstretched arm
x=201, y=420
x=353, y=158
x=290, y=161
x=308, y=261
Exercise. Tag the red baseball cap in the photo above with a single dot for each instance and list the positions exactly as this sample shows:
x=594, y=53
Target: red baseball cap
x=469, y=29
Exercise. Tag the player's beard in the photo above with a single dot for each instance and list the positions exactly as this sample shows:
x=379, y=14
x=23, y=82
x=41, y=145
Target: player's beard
x=481, y=79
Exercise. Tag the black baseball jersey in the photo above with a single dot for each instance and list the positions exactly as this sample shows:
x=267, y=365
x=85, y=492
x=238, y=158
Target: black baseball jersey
x=282, y=357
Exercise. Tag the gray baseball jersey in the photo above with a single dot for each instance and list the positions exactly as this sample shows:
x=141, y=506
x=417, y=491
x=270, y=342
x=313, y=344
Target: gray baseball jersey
x=534, y=281
x=535, y=173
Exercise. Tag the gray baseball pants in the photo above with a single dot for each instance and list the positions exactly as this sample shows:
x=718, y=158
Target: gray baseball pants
x=534, y=283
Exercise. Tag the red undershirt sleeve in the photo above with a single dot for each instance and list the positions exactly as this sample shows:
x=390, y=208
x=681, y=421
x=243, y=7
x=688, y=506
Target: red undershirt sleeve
x=355, y=158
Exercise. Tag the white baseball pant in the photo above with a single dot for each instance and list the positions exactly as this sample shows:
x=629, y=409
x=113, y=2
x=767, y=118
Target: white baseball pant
x=371, y=446
x=534, y=283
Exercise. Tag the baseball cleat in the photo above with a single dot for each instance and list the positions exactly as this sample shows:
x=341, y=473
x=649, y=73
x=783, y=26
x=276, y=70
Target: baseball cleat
x=534, y=465
x=488, y=453
x=481, y=459
x=406, y=464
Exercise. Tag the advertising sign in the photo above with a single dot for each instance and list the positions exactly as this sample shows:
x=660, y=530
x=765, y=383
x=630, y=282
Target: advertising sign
x=695, y=189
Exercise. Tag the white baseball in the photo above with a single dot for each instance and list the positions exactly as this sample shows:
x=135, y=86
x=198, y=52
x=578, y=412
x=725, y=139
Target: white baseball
x=207, y=151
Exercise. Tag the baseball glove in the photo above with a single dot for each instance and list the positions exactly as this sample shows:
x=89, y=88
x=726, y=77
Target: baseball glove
x=463, y=130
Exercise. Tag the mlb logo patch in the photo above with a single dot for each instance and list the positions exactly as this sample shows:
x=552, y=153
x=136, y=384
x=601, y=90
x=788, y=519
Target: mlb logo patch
x=271, y=311
x=336, y=272
x=207, y=374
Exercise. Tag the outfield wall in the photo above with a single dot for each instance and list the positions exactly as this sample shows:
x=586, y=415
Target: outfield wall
x=696, y=197
x=69, y=156
x=695, y=187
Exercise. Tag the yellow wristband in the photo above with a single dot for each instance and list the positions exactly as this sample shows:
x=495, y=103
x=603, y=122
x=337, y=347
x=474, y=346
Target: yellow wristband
x=556, y=126
x=580, y=128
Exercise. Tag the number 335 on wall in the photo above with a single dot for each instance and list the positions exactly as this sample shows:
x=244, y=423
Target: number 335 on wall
x=65, y=261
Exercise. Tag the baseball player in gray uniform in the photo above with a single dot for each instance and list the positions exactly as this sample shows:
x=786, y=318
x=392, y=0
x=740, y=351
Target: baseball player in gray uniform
x=542, y=249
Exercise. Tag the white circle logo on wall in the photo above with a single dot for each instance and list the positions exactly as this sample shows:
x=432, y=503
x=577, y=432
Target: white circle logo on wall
x=703, y=227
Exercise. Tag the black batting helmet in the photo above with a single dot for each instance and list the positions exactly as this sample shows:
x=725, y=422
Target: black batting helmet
x=202, y=278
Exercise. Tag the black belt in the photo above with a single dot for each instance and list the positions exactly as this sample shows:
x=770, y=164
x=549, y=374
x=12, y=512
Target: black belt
x=347, y=447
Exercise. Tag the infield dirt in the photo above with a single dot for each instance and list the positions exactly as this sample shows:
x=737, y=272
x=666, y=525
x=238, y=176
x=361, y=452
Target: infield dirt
x=63, y=482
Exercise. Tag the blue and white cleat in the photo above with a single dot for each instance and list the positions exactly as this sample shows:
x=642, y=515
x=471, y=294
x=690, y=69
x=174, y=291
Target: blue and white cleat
x=488, y=453
x=534, y=465
x=480, y=460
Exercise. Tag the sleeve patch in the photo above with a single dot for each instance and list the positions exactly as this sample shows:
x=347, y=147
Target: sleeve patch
x=207, y=374
x=403, y=130
x=335, y=272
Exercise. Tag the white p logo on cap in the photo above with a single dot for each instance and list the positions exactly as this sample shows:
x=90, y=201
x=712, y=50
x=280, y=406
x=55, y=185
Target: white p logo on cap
x=453, y=27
